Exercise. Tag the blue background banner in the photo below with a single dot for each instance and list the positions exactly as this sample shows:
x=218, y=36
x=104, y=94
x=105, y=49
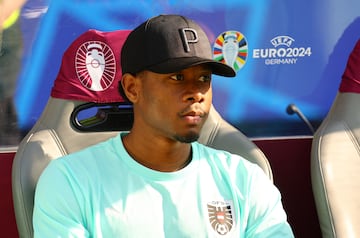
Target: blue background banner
x=296, y=53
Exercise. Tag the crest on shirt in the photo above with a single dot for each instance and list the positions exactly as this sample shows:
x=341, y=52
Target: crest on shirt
x=220, y=216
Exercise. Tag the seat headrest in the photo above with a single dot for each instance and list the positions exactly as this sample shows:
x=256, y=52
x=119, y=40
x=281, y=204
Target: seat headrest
x=350, y=82
x=90, y=69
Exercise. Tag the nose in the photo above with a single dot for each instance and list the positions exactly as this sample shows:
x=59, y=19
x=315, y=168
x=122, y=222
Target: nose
x=195, y=97
x=195, y=93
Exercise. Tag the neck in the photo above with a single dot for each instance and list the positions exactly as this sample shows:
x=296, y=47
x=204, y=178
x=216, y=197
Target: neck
x=159, y=154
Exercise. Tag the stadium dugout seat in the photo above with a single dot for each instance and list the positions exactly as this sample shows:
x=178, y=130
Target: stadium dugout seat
x=335, y=158
x=219, y=134
x=62, y=129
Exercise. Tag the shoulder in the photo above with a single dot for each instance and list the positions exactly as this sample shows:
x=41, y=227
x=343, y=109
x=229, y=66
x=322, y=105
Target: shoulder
x=106, y=147
x=222, y=156
x=227, y=163
x=84, y=161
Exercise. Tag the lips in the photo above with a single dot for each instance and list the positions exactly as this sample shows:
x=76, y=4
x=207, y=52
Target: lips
x=193, y=114
x=193, y=111
x=193, y=120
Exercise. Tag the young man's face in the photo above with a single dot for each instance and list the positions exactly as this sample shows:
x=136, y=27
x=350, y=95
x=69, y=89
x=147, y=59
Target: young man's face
x=175, y=105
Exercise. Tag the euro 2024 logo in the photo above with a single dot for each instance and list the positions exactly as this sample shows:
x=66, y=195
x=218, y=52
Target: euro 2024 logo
x=231, y=48
x=95, y=65
x=283, y=52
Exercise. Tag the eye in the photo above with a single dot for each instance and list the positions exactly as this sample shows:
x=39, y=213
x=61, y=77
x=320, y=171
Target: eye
x=177, y=77
x=205, y=78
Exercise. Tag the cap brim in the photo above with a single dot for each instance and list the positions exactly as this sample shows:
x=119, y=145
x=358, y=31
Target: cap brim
x=178, y=64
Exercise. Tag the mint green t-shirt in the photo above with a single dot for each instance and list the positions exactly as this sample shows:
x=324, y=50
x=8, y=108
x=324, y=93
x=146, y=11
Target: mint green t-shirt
x=102, y=192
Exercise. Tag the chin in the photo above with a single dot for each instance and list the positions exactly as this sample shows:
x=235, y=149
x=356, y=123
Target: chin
x=188, y=138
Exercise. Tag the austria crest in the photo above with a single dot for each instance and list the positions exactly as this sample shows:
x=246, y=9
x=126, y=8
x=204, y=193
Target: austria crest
x=220, y=216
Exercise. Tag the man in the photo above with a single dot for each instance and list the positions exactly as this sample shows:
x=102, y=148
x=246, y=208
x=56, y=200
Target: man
x=156, y=180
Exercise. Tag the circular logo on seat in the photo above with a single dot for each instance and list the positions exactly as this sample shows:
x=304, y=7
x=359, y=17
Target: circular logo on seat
x=95, y=65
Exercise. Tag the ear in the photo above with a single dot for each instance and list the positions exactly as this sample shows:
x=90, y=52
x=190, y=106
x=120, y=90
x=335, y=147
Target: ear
x=131, y=87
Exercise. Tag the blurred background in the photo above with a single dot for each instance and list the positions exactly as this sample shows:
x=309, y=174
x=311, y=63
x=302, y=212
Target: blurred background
x=290, y=52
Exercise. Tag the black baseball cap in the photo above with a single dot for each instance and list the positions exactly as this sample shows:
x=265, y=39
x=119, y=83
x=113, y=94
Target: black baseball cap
x=167, y=44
